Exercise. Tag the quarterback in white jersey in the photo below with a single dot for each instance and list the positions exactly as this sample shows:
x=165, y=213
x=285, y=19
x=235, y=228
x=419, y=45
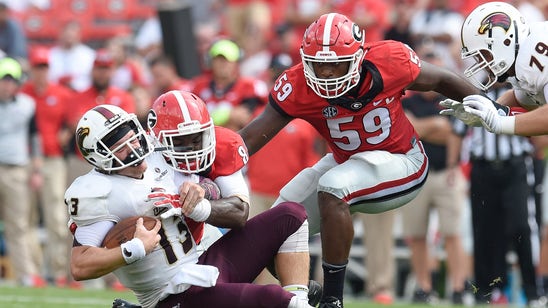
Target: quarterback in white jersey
x=505, y=47
x=161, y=265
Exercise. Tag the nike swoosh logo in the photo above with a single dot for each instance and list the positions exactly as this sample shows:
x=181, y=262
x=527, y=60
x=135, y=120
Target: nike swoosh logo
x=376, y=103
x=334, y=271
x=127, y=253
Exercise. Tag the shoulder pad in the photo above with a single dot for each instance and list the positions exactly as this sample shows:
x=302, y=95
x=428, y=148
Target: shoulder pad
x=87, y=199
x=89, y=186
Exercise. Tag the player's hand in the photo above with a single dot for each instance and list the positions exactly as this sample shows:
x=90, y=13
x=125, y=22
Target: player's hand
x=190, y=194
x=456, y=109
x=167, y=205
x=212, y=191
x=483, y=108
x=150, y=238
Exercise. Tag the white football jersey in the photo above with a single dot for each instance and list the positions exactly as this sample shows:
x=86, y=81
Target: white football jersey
x=97, y=197
x=532, y=67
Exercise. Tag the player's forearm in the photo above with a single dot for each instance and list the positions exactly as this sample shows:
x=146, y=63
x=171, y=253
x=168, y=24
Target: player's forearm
x=93, y=262
x=532, y=123
x=229, y=212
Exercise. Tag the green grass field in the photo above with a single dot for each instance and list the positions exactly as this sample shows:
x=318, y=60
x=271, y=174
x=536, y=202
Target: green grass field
x=17, y=297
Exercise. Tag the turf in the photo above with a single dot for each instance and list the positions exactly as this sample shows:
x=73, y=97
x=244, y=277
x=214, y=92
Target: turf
x=18, y=297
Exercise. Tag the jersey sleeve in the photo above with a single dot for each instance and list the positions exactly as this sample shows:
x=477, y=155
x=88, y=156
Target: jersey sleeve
x=398, y=64
x=231, y=153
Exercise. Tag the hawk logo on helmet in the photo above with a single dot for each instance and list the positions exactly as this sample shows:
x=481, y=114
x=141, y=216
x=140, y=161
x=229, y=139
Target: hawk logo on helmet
x=497, y=19
x=81, y=134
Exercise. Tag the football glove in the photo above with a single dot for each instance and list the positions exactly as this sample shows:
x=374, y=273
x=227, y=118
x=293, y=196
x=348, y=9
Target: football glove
x=456, y=109
x=167, y=205
x=495, y=120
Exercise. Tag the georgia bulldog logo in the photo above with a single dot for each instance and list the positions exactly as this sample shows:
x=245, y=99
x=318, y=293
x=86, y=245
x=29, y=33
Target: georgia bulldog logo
x=492, y=20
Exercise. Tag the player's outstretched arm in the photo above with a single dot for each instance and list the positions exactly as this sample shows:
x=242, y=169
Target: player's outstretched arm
x=263, y=128
x=443, y=81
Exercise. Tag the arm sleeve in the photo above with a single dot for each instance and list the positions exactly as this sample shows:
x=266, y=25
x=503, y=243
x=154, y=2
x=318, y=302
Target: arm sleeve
x=93, y=235
x=233, y=185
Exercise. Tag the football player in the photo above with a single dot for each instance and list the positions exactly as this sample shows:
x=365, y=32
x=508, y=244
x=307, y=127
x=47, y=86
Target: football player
x=505, y=47
x=350, y=92
x=162, y=265
x=193, y=146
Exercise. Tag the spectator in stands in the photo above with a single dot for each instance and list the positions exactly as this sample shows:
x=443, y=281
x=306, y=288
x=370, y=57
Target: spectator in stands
x=165, y=77
x=70, y=60
x=438, y=25
x=13, y=41
x=245, y=16
x=130, y=74
x=444, y=191
x=52, y=103
x=398, y=30
x=230, y=98
x=148, y=39
x=18, y=134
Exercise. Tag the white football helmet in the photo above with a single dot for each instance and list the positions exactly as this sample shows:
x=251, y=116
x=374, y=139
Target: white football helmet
x=332, y=38
x=491, y=35
x=178, y=114
x=100, y=128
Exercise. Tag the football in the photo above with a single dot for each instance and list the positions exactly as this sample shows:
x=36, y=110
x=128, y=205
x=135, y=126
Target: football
x=124, y=230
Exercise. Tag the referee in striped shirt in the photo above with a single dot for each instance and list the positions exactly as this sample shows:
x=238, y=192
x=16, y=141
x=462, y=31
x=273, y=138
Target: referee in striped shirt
x=502, y=207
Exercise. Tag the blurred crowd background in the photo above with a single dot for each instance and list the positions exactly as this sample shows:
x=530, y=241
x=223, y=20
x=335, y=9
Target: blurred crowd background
x=73, y=54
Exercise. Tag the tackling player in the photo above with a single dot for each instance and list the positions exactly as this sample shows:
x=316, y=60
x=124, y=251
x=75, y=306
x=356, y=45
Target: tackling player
x=350, y=92
x=162, y=265
x=505, y=48
x=192, y=145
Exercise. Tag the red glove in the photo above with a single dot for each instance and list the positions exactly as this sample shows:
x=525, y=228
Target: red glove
x=166, y=204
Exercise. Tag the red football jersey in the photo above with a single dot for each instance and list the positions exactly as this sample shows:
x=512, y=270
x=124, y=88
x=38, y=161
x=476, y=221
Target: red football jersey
x=380, y=124
x=231, y=155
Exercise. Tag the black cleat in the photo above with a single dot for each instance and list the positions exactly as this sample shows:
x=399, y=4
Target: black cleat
x=331, y=302
x=315, y=291
x=120, y=303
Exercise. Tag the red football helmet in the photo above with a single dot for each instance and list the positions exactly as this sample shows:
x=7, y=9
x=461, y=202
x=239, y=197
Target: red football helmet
x=177, y=114
x=333, y=38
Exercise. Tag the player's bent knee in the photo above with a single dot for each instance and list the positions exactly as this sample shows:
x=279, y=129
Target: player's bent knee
x=293, y=209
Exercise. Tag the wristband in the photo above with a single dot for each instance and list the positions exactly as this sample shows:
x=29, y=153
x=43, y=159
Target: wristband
x=507, y=125
x=133, y=250
x=201, y=211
